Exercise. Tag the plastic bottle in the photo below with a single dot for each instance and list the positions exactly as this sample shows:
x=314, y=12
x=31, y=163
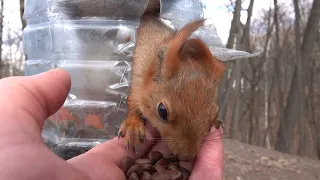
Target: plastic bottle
x=94, y=41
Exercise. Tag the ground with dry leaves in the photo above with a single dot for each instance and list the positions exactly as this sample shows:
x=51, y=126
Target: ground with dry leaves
x=246, y=162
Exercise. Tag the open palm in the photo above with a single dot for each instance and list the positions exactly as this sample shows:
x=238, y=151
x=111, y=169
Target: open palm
x=28, y=101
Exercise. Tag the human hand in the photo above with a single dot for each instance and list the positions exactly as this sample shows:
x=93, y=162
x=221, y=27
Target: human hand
x=28, y=101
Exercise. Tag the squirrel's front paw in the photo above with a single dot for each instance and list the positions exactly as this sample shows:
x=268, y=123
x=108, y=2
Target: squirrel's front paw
x=132, y=129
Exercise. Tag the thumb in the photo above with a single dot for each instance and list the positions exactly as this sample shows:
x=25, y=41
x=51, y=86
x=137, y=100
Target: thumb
x=209, y=162
x=31, y=99
x=109, y=154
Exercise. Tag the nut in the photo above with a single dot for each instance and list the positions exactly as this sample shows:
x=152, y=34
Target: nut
x=137, y=168
x=175, y=175
x=143, y=161
x=173, y=166
x=126, y=163
x=160, y=169
x=171, y=158
x=163, y=162
x=155, y=156
x=145, y=176
x=149, y=168
x=163, y=177
x=162, y=165
x=134, y=176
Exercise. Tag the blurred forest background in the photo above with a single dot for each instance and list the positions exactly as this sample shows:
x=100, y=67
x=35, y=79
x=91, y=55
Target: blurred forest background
x=12, y=57
x=273, y=100
x=270, y=101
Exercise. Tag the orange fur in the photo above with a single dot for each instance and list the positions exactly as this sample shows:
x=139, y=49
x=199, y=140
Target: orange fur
x=179, y=72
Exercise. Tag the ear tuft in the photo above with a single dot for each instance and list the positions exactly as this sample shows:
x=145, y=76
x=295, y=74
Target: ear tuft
x=172, y=58
x=197, y=50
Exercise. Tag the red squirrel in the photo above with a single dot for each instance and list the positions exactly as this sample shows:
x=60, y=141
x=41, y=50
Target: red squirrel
x=174, y=86
x=174, y=82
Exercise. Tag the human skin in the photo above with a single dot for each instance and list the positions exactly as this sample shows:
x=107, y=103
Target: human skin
x=27, y=101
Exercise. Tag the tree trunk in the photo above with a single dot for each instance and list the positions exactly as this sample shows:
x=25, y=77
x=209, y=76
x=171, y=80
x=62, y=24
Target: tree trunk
x=309, y=38
x=23, y=22
x=225, y=84
x=267, y=93
x=313, y=121
x=277, y=62
x=246, y=32
x=302, y=135
x=224, y=91
x=236, y=103
x=288, y=118
x=267, y=113
x=235, y=25
x=310, y=33
x=311, y=114
x=245, y=42
x=237, y=77
x=251, y=113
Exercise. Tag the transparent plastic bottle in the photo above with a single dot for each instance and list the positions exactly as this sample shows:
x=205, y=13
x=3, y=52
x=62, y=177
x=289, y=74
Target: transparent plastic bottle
x=94, y=42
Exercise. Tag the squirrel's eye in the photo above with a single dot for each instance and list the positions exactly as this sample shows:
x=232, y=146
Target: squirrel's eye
x=162, y=111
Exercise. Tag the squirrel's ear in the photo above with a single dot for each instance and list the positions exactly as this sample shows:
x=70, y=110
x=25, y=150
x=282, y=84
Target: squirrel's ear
x=171, y=59
x=197, y=50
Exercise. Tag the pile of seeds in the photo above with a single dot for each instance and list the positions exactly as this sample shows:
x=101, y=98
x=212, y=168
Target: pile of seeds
x=156, y=167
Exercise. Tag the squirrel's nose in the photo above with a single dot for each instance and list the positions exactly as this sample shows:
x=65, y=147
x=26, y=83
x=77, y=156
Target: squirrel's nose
x=186, y=157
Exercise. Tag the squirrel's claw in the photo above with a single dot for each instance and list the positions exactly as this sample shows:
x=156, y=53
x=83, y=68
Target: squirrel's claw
x=132, y=128
x=218, y=123
x=121, y=133
x=221, y=123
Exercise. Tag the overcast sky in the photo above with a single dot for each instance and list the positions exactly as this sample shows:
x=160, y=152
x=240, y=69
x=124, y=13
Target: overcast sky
x=215, y=9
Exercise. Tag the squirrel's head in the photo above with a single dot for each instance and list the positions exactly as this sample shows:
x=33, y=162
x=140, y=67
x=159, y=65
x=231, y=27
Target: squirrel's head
x=180, y=91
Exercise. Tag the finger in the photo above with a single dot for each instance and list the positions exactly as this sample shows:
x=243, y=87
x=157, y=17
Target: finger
x=111, y=151
x=30, y=100
x=209, y=162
